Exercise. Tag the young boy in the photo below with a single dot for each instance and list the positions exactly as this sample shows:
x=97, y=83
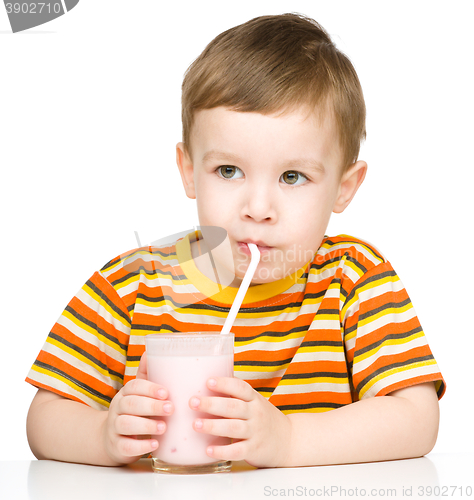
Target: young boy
x=331, y=363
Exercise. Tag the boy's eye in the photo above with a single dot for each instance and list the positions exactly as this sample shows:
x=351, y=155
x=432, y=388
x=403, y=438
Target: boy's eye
x=229, y=172
x=293, y=178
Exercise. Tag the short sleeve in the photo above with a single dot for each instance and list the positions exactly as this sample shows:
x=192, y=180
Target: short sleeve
x=84, y=355
x=386, y=348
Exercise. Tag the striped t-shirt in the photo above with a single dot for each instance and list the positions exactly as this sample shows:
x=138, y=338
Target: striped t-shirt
x=340, y=329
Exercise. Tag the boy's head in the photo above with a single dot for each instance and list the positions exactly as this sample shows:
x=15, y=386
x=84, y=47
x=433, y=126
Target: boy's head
x=276, y=64
x=273, y=116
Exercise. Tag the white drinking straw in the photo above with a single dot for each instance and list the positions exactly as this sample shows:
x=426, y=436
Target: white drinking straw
x=242, y=289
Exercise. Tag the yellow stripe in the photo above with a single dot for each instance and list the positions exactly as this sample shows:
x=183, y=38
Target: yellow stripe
x=400, y=341
x=91, y=330
x=105, y=305
x=261, y=369
x=393, y=371
x=357, y=270
x=265, y=338
x=122, y=259
x=356, y=243
x=68, y=382
x=308, y=410
x=324, y=269
x=385, y=312
x=373, y=284
x=322, y=349
x=314, y=380
x=131, y=279
x=82, y=358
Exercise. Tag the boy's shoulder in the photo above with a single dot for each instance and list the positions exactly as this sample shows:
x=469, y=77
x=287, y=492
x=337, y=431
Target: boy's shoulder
x=358, y=254
x=142, y=259
x=352, y=247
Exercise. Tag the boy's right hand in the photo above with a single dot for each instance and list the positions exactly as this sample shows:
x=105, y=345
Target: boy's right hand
x=128, y=426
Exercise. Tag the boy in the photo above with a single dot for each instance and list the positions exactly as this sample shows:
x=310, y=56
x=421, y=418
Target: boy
x=331, y=363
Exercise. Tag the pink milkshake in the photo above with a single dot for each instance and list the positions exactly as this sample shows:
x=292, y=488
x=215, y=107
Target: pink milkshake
x=182, y=363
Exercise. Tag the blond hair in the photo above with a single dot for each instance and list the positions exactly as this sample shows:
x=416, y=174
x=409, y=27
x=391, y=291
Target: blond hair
x=274, y=64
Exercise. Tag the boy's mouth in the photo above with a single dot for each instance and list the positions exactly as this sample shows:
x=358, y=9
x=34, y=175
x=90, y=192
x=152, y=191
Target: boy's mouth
x=244, y=248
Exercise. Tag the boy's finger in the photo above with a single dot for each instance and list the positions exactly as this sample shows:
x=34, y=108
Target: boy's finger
x=233, y=387
x=221, y=407
x=144, y=407
x=142, y=367
x=140, y=387
x=129, y=447
x=234, y=451
x=130, y=425
x=224, y=427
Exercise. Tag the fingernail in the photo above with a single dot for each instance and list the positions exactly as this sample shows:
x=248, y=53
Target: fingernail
x=195, y=402
x=167, y=407
x=212, y=382
x=162, y=393
x=161, y=426
x=198, y=424
x=209, y=451
x=154, y=444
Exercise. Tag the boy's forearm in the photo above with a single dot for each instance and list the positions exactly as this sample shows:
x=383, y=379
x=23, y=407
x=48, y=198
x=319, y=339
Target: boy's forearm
x=62, y=429
x=374, y=429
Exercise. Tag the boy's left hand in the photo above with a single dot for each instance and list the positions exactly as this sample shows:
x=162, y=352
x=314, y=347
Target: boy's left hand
x=261, y=432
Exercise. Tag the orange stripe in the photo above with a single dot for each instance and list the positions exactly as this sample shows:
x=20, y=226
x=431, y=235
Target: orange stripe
x=89, y=348
x=387, y=360
x=77, y=374
x=403, y=384
x=340, y=398
x=53, y=389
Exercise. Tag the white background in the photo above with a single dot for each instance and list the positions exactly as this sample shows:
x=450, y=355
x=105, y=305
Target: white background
x=89, y=119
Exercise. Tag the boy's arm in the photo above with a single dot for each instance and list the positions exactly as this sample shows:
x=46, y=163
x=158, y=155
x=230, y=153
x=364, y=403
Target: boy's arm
x=403, y=424
x=61, y=429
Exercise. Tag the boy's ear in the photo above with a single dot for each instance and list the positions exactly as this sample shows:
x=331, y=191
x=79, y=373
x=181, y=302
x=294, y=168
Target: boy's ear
x=186, y=169
x=349, y=184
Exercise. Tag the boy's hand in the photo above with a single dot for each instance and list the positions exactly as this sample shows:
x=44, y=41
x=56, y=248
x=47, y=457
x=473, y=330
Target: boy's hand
x=261, y=432
x=127, y=430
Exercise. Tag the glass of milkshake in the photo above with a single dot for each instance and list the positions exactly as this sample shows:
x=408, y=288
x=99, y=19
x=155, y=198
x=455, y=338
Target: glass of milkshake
x=183, y=363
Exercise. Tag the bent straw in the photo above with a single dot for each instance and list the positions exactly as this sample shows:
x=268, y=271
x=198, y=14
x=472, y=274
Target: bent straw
x=242, y=289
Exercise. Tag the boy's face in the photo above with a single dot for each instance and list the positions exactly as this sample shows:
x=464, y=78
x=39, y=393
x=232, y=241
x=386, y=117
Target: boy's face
x=269, y=180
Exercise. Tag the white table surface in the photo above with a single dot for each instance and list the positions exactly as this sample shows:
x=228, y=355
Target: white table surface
x=449, y=475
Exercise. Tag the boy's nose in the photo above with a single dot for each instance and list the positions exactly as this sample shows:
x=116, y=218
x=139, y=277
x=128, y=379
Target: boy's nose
x=259, y=206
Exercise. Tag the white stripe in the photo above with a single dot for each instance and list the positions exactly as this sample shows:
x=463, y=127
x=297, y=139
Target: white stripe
x=387, y=350
x=388, y=318
x=320, y=356
x=341, y=387
x=370, y=293
x=250, y=375
x=269, y=346
x=92, y=339
x=380, y=289
x=54, y=383
x=103, y=309
x=344, y=245
x=399, y=377
x=81, y=365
